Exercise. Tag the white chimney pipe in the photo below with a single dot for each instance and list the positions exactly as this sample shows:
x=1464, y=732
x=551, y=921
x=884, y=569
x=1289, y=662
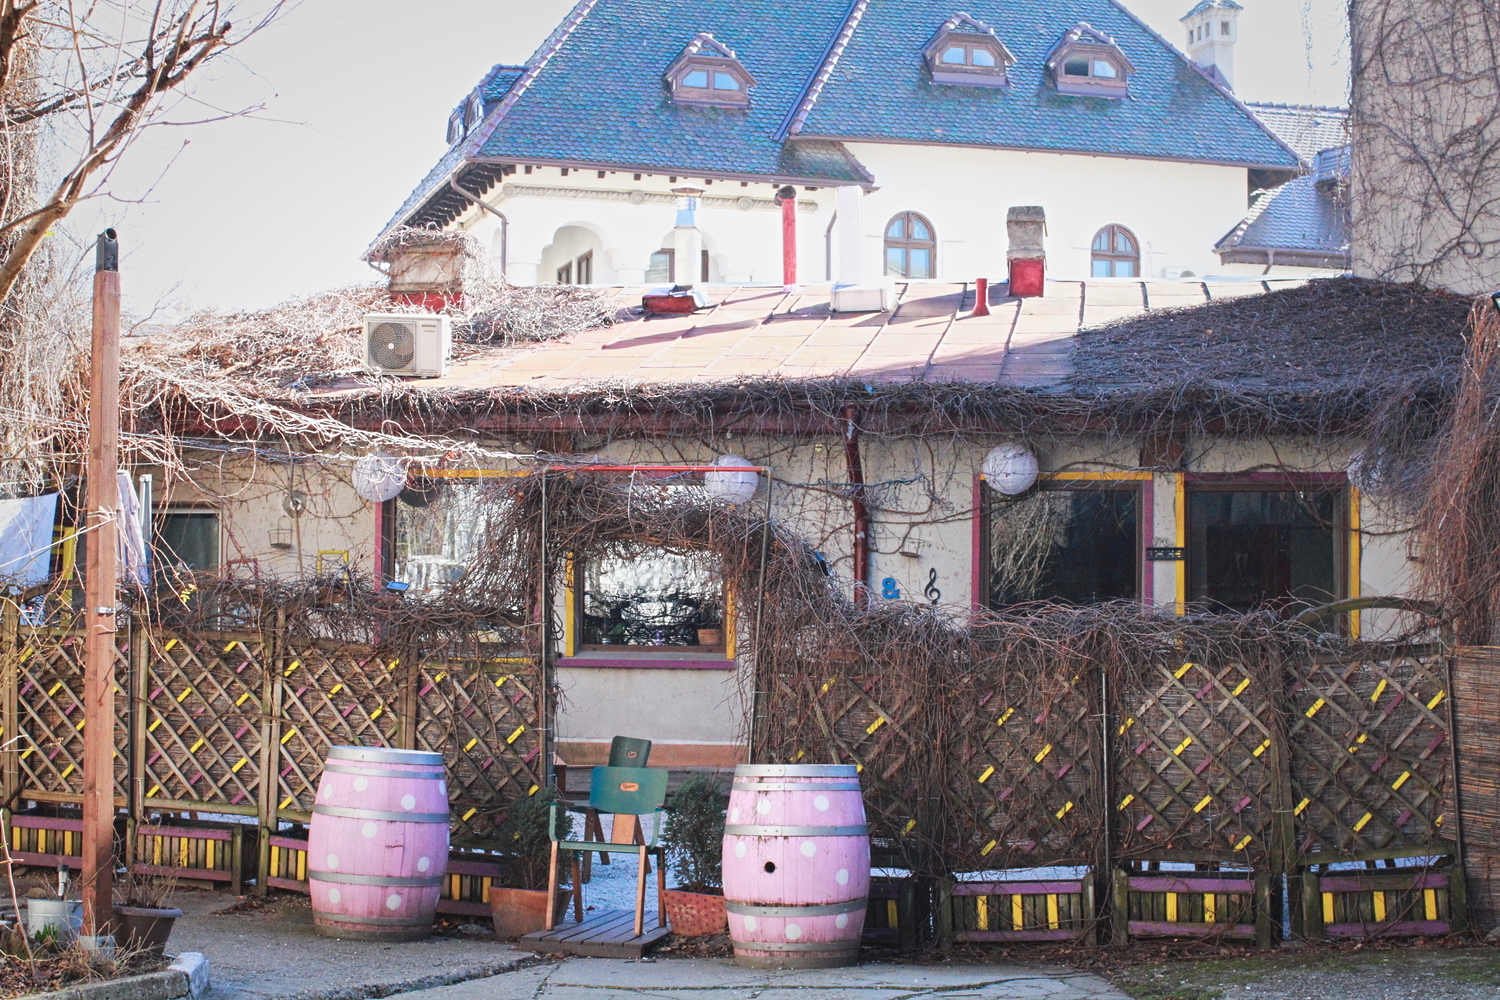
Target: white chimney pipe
x=1212, y=29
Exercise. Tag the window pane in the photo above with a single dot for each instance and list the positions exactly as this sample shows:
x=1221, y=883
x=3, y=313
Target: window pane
x=1076, y=67
x=1123, y=242
x=983, y=57
x=655, y=597
x=1105, y=69
x=1124, y=269
x=661, y=267
x=897, y=229
x=1102, y=268
x=895, y=261
x=1260, y=547
x=1072, y=546
x=436, y=545
x=188, y=541
x=921, y=263
x=954, y=56
x=697, y=78
x=724, y=81
x=919, y=230
x=1101, y=242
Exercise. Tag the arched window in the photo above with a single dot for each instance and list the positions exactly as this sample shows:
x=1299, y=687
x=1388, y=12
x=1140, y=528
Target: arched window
x=1116, y=253
x=910, y=247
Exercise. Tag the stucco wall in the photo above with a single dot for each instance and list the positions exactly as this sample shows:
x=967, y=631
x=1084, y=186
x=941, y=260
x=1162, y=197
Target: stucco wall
x=1178, y=211
x=1424, y=129
x=924, y=534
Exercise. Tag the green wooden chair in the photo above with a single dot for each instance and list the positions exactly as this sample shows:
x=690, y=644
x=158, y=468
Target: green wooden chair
x=628, y=751
x=624, y=794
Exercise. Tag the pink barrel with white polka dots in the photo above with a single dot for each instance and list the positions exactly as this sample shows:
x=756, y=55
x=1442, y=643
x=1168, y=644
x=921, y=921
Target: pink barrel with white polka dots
x=377, y=848
x=796, y=865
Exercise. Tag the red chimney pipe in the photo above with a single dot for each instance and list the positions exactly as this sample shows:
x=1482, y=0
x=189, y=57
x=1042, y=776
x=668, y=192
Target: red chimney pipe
x=981, y=297
x=787, y=197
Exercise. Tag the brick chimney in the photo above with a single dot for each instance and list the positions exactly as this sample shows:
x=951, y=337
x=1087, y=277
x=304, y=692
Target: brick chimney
x=1027, y=227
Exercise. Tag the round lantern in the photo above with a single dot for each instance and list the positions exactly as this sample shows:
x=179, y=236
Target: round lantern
x=735, y=484
x=1010, y=469
x=379, y=477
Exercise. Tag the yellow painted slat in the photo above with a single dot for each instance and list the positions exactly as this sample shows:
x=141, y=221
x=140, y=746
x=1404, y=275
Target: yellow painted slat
x=1327, y=908
x=983, y=912
x=1313, y=709
x=1183, y=746
x=1052, y=911
x=1210, y=907
x=1017, y=914
x=870, y=729
x=892, y=915
x=1042, y=755
x=1379, y=907
x=987, y=773
x=1171, y=907
x=1429, y=904
x=1240, y=688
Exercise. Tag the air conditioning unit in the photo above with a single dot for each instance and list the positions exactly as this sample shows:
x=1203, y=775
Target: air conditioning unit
x=408, y=344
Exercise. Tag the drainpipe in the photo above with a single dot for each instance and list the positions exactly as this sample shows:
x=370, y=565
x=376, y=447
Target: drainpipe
x=861, y=512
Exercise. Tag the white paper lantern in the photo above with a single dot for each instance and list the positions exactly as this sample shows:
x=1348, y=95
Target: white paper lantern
x=736, y=484
x=379, y=477
x=1010, y=469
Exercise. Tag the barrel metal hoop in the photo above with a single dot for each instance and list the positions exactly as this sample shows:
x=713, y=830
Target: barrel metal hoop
x=796, y=771
x=861, y=830
x=415, y=880
x=385, y=755
x=344, y=918
x=794, y=786
x=368, y=772
x=399, y=817
x=810, y=910
x=831, y=947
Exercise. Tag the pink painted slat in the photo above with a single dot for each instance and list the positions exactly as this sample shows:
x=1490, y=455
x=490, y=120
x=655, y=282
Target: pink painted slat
x=1166, y=883
x=644, y=663
x=1402, y=928
x=47, y=823
x=1015, y=888
x=1165, y=928
x=1385, y=882
x=196, y=833
x=980, y=936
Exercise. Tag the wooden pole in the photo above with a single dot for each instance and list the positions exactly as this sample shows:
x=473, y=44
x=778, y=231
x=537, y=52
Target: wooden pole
x=100, y=589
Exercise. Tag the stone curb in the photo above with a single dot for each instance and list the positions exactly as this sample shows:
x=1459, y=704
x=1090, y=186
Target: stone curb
x=187, y=976
x=375, y=991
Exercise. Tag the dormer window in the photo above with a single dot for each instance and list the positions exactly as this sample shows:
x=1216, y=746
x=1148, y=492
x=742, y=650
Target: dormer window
x=473, y=111
x=709, y=73
x=965, y=51
x=1088, y=63
x=455, y=126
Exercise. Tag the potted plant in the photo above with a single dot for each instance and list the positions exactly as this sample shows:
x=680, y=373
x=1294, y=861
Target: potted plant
x=709, y=620
x=694, y=839
x=144, y=921
x=520, y=906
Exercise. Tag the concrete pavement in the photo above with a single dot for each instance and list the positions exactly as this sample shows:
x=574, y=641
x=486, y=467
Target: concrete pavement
x=720, y=979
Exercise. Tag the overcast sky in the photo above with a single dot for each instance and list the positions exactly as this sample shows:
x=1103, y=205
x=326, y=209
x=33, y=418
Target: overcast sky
x=252, y=211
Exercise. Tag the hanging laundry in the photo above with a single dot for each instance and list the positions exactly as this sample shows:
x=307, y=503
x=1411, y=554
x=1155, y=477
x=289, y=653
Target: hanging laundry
x=132, y=539
x=26, y=526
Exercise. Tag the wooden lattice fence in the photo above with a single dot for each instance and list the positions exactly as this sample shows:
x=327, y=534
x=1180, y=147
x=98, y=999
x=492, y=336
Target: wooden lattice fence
x=240, y=723
x=1269, y=765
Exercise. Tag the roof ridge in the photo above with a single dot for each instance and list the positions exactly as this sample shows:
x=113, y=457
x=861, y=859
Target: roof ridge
x=1254, y=119
x=799, y=114
x=1298, y=107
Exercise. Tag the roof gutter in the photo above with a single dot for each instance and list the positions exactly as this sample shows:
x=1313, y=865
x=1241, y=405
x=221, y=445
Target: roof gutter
x=453, y=184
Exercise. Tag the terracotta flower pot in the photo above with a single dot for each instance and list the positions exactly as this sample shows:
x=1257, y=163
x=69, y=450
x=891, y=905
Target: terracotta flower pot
x=518, y=912
x=694, y=914
x=144, y=928
x=710, y=637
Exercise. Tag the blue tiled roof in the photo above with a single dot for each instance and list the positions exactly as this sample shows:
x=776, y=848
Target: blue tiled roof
x=878, y=90
x=1305, y=215
x=593, y=94
x=600, y=99
x=1309, y=129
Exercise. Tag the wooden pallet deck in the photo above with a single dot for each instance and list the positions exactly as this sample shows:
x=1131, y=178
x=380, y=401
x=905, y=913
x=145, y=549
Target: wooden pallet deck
x=606, y=934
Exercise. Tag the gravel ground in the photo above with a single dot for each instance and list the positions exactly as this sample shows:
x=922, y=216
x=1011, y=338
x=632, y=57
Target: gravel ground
x=1348, y=973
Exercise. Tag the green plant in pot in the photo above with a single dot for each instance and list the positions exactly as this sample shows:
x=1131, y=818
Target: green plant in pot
x=709, y=621
x=694, y=839
x=144, y=919
x=519, y=907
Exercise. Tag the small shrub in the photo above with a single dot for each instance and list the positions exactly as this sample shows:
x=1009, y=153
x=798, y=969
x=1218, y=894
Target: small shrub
x=694, y=835
x=527, y=844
